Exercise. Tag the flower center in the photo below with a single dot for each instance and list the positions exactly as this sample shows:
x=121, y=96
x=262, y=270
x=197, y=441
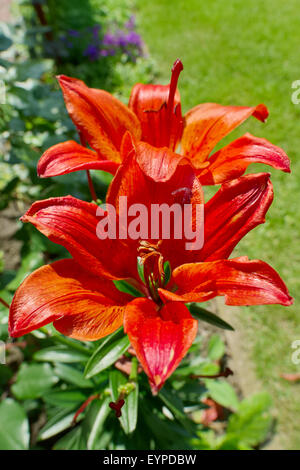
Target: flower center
x=152, y=262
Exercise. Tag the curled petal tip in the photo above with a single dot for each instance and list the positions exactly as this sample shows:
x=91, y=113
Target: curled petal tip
x=261, y=112
x=63, y=78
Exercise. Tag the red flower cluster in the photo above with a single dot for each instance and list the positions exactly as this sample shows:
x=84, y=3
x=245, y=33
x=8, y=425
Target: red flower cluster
x=138, y=143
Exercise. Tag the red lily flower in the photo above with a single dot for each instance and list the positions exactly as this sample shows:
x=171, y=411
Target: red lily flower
x=78, y=296
x=153, y=115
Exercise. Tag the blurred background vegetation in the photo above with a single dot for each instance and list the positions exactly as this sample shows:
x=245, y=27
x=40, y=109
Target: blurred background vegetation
x=238, y=53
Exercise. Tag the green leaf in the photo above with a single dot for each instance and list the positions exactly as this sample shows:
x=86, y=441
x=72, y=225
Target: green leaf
x=197, y=366
x=230, y=442
x=62, y=420
x=5, y=373
x=60, y=354
x=33, y=69
x=123, y=286
x=72, y=376
x=33, y=381
x=92, y=426
x=6, y=195
x=216, y=348
x=5, y=42
x=209, y=317
x=107, y=353
x=70, y=441
x=252, y=421
x=65, y=398
x=14, y=428
x=175, y=405
x=167, y=433
x=206, y=368
x=223, y=393
x=129, y=416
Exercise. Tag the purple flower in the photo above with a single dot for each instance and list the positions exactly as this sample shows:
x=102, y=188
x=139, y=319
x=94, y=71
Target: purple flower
x=92, y=52
x=107, y=52
x=109, y=40
x=96, y=30
x=74, y=33
x=121, y=38
x=135, y=39
x=130, y=23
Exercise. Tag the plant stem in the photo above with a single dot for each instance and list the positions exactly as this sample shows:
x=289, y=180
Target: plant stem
x=2, y=301
x=134, y=369
x=91, y=186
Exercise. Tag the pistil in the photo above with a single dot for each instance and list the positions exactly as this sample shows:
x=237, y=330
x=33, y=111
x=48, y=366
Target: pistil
x=176, y=70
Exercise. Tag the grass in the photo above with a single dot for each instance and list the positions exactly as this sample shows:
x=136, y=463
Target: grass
x=245, y=53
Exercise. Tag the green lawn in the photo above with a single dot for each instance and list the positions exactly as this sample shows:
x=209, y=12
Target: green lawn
x=245, y=53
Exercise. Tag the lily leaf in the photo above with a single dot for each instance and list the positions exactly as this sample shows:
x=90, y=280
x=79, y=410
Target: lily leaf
x=58, y=423
x=223, y=393
x=209, y=317
x=107, y=353
x=252, y=421
x=216, y=348
x=92, y=426
x=33, y=381
x=60, y=354
x=127, y=288
x=71, y=375
x=14, y=428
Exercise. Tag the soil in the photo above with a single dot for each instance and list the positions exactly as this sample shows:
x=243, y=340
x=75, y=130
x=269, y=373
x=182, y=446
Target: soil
x=9, y=225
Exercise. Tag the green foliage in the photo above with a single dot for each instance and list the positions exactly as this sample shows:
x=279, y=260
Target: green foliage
x=216, y=348
x=208, y=317
x=56, y=388
x=252, y=420
x=246, y=428
x=33, y=381
x=223, y=393
x=14, y=428
x=107, y=353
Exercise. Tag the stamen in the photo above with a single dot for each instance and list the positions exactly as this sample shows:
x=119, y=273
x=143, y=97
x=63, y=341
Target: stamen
x=116, y=406
x=153, y=267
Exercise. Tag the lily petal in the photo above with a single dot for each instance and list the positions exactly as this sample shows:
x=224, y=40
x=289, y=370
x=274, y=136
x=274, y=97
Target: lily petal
x=72, y=223
x=69, y=156
x=100, y=117
x=231, y=161
x=160, y=338
x=160, y=127
x=159, y=164
x=238, y=207
x=208, y=123
x=151, y=177
x=79, y=304
x=241, y=281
